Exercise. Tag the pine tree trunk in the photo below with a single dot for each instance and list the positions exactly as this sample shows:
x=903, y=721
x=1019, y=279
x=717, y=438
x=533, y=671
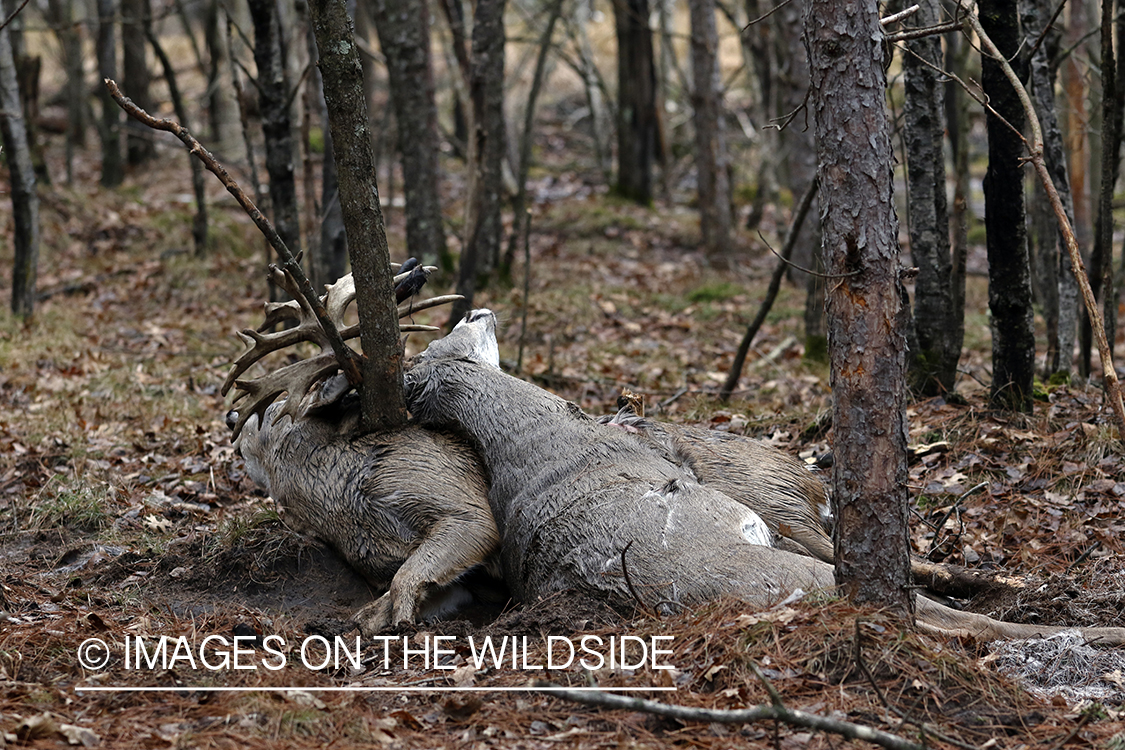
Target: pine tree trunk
x=21, y=172
x=404, y=36
x=636, y=91
x=486, y=153
x=933, y=365
x=865, y=310
x=382, y=403
x=1009, y=270
x=273, y=98
x=711, y=161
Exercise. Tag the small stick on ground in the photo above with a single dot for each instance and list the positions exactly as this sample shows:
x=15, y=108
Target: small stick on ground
x=775, y=712
x=345, y=355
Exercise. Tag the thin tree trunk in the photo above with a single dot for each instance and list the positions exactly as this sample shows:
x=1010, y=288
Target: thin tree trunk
x=135, y=78
x=113, y=167
x=404, y=36
x=711, y=160
x=865, y=310
x=933, y=366
x=61, y=17
x=486, y=149
x=21, y=175
x=519, y=203
x=1111, y=142
x=1060, y=302
x=199, y=221
x=958, y=123
x=1009, y=272
x=636, y=109
x=219, y=104
x=273, y=98
x=382, y=403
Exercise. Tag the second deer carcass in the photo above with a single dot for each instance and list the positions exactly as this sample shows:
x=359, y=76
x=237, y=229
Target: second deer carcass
x=592, y=509
x=407, y=509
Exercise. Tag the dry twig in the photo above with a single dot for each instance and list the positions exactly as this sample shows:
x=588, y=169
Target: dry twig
x=777, y=711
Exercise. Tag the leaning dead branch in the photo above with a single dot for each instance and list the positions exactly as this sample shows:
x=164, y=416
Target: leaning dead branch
x=1035, y=156
x=347, y=358
x=776, y=711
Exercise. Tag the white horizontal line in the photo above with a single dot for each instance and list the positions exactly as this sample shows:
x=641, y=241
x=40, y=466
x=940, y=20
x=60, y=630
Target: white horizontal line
x=365, y=689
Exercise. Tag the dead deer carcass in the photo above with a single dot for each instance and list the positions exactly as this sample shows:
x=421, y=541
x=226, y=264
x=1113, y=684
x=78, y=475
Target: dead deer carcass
x=788, y=496
x=592, y=509
x=407, y=509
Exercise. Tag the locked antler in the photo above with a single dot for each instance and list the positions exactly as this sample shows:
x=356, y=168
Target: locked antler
x=299, y=378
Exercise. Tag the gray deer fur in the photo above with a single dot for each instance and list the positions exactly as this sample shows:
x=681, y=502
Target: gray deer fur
x=578, y=506
x=407, y=510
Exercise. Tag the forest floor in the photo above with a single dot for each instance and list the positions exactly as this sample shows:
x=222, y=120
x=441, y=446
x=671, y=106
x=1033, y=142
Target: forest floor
x=125, y=514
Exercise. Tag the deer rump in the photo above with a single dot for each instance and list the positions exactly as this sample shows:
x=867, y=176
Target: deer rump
x=597, y=510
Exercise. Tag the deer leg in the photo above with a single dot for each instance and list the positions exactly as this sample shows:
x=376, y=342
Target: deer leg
x=453, y=546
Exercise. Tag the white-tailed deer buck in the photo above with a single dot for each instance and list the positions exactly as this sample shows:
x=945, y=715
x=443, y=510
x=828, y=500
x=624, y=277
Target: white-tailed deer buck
x=595, y=510
x=407, y=509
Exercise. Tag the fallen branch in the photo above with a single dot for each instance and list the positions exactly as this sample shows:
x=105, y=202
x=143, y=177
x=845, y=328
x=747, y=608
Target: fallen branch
x=345, y=355
x=774, y=712
x=1035, y=156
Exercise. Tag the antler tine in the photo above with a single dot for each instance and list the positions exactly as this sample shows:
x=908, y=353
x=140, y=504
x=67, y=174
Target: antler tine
x=296, y=379
x=336, y=300
x=260, y=343
x=408, y=307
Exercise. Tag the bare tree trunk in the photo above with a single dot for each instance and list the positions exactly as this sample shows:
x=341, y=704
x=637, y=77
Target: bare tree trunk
x=404, y=36
x=636, y=93
x=958, y=123
x=1009, y=271
x=220, y=106
x=933, y=366
x=61, y=17
x=486, y=149
x=25, y=201
x=199, y=221
x=865, y=311
x=519, y=203
x=135, y=78
x=711, y=161
x=113, y=168
x=594, y=86
x=383, y=404
x=1111, y=143
x=273, y=98
x=1060, y=300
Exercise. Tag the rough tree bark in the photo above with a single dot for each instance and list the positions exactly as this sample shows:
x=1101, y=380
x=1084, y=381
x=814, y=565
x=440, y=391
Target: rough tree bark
x=957, y=121
x=25, y=201
x=404, y=36
x=636, y=95
x=933, y=367
x=1060, y=288
x=711, y=160
x=1009, y=270
x=139, y=146
x=273, y=98
x=113, y=167
x=1111, y=142
x=865, y=311
x=486, y=153
x=382, y=403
